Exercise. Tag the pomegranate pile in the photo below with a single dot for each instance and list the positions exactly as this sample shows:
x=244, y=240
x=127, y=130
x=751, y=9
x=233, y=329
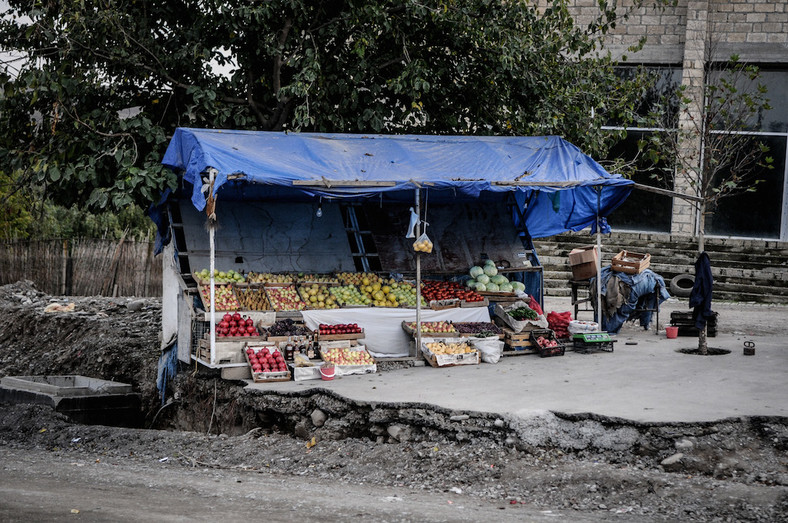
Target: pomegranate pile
x=266, y=359
x=235, y=326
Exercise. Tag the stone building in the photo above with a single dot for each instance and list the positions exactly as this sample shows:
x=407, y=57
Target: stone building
x=682, y=41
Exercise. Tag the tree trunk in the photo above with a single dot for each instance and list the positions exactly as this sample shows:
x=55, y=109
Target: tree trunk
x=701, y=226
x=703, y=347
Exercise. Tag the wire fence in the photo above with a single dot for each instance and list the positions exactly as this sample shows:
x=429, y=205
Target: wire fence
x=83, y=267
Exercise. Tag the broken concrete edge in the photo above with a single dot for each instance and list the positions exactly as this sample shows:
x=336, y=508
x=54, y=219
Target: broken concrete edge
x=543, y=431
x=464, y=415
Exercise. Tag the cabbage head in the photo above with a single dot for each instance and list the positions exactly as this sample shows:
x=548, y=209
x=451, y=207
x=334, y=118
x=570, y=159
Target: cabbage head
x=490, y=270
x=483, y=278
x=471, y=284
x=475, y=271
x=480, y=287
x=499, y=279
x=492, y=287
x=505, y=287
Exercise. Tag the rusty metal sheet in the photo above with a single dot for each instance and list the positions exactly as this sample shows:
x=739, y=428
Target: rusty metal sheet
x=269, y=237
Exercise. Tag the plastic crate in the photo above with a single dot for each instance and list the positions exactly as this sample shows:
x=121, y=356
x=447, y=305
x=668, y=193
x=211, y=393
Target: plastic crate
x=548, y=334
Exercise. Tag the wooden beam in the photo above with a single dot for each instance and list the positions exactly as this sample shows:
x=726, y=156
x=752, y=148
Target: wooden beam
x=666, y=192
x=514, y=183
x=342, y=183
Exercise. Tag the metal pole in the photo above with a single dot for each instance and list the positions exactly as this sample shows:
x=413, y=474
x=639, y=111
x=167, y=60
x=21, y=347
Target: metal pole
x=598, y=257
x=418, y=277
x=211, y=232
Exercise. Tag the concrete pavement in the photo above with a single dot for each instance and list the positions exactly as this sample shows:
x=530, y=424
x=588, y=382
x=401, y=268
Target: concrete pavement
x=647, y=380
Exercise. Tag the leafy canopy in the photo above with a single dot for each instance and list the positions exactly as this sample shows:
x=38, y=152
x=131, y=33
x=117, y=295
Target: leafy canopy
x=87, y=114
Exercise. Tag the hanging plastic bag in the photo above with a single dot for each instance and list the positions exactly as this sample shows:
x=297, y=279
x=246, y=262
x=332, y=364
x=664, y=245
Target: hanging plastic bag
x=423, y=244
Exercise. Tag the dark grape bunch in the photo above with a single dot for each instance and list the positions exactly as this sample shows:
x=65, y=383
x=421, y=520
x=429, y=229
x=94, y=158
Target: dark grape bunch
x=477, y=327
x=287, y=328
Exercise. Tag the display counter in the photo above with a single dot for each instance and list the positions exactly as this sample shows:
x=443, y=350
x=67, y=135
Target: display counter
x=384, y=337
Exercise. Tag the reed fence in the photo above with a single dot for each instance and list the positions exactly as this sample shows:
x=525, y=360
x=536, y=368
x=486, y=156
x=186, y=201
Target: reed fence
x=83, y=267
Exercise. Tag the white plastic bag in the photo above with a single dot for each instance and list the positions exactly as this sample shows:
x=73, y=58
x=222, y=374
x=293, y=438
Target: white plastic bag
x=490, y=348
x=582, y=327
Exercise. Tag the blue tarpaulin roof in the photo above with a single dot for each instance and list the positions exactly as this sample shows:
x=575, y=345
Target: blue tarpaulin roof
x=555, y=177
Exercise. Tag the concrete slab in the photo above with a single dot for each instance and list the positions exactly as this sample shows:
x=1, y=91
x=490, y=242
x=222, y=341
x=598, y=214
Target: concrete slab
x=649, y=381
x=83, y=399
x=62, y=386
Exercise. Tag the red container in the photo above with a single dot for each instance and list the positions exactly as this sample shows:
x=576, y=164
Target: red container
x=327, y=372
x=671, y=332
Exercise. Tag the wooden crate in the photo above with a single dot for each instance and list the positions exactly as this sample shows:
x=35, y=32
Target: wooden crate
x=516, y=339
x=349, y=346
x=205, y=293
x=481, y=303
x=497, y=294
x=333, y=337
x=230, y=341
x=227, y=351
x=274, y=288
x=330, y=344
x=439, y=305
x=320, y=279
x=630, y=262
x=244, y=292
x=266, y=377
x=500, y=332
x=410, y=330
x=271, y=377
x=289, y=315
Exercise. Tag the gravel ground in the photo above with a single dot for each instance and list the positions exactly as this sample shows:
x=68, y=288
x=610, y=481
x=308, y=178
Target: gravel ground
x=437, y=460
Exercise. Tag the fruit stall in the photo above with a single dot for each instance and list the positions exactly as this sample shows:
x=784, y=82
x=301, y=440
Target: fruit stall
x=283, y=240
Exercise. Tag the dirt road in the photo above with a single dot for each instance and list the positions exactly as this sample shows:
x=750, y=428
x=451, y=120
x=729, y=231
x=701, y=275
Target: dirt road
x=47, y=486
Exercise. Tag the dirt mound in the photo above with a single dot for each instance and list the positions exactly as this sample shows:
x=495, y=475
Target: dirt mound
x=114, y=339
x=478, y=467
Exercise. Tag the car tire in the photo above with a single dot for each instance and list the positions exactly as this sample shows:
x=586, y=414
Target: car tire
x=681, y=285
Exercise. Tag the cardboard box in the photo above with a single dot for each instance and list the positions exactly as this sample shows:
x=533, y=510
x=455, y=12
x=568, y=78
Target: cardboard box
x=448, y=360
x=585, y=254
x=583, y=261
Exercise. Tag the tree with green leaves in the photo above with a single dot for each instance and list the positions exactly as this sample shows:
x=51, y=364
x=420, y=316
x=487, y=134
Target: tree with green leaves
x=87, y=111
x=705, y=145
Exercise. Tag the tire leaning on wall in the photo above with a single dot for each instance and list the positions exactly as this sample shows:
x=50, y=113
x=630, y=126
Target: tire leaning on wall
x=681, y=285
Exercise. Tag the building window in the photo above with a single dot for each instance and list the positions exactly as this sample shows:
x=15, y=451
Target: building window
x=642, y=211
x=757, y=214
x=762, y=212
x=645, y=211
